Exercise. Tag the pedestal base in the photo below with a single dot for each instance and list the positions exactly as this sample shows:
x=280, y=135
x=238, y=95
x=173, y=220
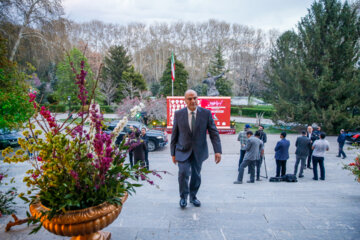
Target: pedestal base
x=100, y=235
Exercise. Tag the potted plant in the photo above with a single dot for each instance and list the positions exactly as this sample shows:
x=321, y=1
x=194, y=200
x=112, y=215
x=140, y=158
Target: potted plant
x=79, y=179
x=354, y=167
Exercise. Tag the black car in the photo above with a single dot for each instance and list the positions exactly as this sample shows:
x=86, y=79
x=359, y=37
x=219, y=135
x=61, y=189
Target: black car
x=157, y=139
x=8, y=138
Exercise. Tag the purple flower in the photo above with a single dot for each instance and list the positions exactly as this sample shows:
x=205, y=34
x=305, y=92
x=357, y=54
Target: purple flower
x=90, y=155
x=74, y=174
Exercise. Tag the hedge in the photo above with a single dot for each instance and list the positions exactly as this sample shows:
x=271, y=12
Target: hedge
x=235, y=111
x=107, y=109
x=251, y=112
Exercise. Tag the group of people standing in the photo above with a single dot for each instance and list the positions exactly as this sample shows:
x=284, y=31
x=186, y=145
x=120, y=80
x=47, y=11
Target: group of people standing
x=139, y=152
x=310, y=152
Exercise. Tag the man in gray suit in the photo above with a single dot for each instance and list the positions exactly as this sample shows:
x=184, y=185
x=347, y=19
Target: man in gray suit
x=302, y=144
x=189, y=146
x=254, y=151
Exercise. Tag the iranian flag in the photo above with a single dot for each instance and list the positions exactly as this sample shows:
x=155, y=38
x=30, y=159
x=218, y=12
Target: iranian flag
x=172, y=67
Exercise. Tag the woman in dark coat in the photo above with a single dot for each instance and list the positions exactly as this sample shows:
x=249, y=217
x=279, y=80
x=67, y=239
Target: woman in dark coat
x=139, y=150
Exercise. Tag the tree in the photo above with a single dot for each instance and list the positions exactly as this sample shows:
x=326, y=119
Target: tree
x=28, y=13
x=108, y=88
x=216, y=67
x=115, y=64
x=313, y=74
x=180, y=83
x=133, y=83
x=15, y=108
x=155, y=88
x=66, y=79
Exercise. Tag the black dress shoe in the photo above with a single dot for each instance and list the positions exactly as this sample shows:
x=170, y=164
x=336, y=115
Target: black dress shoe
x=250, y=181
x=183, y=203
x=315, y=179
x=196, y=202
x=309, y=167
x=338, y=156
x=258, y=179
x=301, y=176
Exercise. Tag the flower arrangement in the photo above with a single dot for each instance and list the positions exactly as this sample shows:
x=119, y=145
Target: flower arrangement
x=354, y=167
x=75, y=166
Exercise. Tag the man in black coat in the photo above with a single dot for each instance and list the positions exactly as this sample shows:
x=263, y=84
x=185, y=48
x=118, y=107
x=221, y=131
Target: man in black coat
x=189, y=146
x=145, y=138
x=302, y=152
x=341, y=140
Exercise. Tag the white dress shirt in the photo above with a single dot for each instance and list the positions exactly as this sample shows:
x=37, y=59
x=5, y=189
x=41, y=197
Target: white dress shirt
x=190, y=116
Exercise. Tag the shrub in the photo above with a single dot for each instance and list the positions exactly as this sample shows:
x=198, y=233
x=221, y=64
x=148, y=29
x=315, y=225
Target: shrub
x=251, y=112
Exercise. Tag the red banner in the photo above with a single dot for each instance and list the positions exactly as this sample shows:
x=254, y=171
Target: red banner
x=219, y=106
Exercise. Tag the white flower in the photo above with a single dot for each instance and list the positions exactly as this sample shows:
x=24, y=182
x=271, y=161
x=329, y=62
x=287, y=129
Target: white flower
x=121, y=124
x=141, y=105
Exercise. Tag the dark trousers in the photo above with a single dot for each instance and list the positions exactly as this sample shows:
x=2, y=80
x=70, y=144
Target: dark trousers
x=244, y=164
x=258, y=167
x=131, y=157
x=147, y=159
x=242, y=155
x=309, y=157
x=190, y=167
x=320, y=161
x=341, y=151
x=280, y=165
x=302, y=161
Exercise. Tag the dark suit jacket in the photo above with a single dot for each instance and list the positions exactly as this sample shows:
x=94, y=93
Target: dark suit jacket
x=341, y=139
x=282, y=149
x=184, y=142
x=302, y=146
x=314, y=137
x=139, y=151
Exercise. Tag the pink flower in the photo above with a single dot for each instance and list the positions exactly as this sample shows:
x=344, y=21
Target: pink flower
x=74, y=174
x=90, y=155
x=39, y=159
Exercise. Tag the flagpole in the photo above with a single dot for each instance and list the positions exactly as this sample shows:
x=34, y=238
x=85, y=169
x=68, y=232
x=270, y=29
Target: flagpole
x=172, y=87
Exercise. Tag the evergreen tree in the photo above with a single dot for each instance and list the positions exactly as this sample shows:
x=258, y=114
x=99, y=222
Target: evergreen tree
x=66, y=78
x=155, y=88
x=216, y=67
x=313, y=74
x=115, y=64
x=15, y=108
x=180, y=83
x=133, y=83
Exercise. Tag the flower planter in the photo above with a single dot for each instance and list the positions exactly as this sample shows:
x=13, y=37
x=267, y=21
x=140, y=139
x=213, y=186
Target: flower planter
x=83, y=224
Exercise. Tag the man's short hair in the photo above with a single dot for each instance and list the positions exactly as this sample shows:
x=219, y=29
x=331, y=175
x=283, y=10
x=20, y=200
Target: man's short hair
x=257, y=134
x=322, y=135
x=261, y=126
x=303, y=132
x=283, y=134
x=249, y=133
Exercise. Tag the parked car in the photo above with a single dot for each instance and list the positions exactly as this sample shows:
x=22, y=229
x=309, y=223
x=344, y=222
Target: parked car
x=353, y=136
x=8, y=138
x=157, y=139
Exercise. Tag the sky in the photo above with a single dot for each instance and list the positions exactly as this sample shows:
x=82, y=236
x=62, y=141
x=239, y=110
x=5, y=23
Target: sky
x=265, y=14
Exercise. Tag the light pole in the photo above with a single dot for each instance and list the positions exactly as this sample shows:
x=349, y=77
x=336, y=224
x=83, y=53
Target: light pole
x=69, y=98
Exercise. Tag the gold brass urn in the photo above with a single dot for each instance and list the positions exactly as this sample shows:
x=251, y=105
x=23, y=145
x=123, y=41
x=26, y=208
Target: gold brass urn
x=83, y=224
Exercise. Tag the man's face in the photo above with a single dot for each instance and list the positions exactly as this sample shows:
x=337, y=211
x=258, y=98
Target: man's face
x=261, y=128
x=191, y=100
x=248, y=135
x=319, y=128
x=309, y=129
x=342, y=131
x=143, y=131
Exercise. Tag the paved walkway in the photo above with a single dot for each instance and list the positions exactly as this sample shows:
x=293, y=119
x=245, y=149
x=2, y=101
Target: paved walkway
x=304, y=210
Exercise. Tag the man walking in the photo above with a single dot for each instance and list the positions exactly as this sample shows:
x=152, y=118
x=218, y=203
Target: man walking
x=302, y=151
x=341, y=140
x=243, y=140
x=319, y=147
x=253, y=147
x=189, y=146
x=282, y=154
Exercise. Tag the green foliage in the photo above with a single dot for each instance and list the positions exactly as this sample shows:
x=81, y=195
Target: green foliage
x=135, y=80
x=235, y=111
x=7, y=197
x=107, y=109
x=251, y=112
x=313, y=73
x=115, y=63
x=180, y=83
x=155, y=88
x=200, y=89
x=15, y=108
x=66, y=78
x=216, y=67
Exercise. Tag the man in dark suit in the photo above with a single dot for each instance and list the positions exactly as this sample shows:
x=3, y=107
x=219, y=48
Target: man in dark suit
x=341, y=140
x=302, y=151
x=189, y=146
x=281, y=154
